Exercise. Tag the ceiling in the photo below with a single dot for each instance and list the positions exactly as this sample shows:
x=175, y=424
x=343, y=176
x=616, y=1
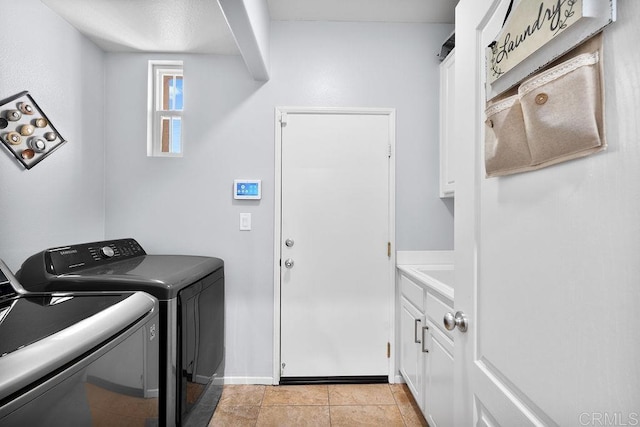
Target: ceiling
x=199, y=26
x=196, y=26
x=440, y=11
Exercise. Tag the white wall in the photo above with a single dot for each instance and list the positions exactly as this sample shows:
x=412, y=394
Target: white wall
x=185, y=205
x=60, y=200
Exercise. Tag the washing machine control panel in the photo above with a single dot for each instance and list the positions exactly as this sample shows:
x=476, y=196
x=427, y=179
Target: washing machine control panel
x=69, y=258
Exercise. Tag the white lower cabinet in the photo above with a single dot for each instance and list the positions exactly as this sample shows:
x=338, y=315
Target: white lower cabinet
x=411, y=360
x=426, y=350
x=438, y=384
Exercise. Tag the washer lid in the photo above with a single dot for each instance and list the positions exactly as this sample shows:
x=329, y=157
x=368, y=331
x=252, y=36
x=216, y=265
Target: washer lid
x=162, y=276
x=29, y=319
x=42, y=334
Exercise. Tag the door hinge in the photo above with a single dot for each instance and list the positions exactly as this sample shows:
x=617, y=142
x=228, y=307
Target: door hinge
x=389, y=150
x=389, y=249
x=388, y=350
x=283, y=119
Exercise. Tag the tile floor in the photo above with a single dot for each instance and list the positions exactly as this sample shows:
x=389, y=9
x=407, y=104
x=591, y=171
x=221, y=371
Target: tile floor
x=317, y=405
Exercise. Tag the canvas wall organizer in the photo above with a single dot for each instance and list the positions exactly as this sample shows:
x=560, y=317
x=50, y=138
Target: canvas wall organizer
x=25, y=131
x=554, y=116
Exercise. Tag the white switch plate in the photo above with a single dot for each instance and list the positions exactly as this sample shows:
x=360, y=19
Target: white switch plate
x=245, y=221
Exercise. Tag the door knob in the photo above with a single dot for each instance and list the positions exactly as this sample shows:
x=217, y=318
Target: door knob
x=288, y=263
x=459, y=319
x=288, y=243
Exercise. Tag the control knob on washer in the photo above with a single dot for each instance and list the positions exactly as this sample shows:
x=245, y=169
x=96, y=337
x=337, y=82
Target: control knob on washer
x=107, y=251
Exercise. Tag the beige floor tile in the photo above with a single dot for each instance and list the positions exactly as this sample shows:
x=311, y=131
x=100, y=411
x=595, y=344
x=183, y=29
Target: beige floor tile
x=235, y=416
x=307, y=405
x=413, y=417
x=407, y=405
x=366, y=415
x=296, y=395
x=237, y=395
x=361, y=394
x=294, y=416
x=401, y=394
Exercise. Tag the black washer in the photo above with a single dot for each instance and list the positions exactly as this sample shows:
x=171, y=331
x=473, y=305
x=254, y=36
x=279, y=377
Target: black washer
x=191, y=294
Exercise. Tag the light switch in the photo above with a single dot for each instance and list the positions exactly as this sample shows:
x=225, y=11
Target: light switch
x=245, y=221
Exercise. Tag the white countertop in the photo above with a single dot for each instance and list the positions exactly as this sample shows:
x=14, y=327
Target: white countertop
x=437, y=276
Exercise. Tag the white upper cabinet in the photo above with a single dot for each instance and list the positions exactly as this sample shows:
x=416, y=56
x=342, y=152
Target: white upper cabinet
x=447, y=123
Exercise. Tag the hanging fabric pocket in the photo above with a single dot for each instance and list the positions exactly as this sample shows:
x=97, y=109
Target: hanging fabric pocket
x=505, y=145
x=554, y=116
x=562, y=110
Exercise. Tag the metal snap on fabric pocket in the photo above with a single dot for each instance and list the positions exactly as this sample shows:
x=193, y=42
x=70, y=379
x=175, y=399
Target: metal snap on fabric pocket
x=541, y=98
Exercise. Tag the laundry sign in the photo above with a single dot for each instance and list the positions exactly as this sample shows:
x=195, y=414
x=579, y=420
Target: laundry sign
x=536, y=33
x=531, y=25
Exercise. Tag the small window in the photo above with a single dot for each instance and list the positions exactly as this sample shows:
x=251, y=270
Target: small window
x=166, y=103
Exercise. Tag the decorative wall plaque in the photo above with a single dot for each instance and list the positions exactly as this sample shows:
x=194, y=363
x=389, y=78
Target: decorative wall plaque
x=26, y=131
x=536, y=32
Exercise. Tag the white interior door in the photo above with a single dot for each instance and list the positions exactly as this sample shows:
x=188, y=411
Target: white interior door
x=547, y=262
x=336, y=275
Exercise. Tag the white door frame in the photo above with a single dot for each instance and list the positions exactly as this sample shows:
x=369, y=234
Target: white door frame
x=279, y=111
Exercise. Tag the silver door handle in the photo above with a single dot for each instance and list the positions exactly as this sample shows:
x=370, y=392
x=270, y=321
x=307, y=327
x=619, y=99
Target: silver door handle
x=288, y=263
x=459, y=319
x=415, y=331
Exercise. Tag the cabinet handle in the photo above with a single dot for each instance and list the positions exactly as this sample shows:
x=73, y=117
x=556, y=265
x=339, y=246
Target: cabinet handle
x=424, y=328
x=415, y=331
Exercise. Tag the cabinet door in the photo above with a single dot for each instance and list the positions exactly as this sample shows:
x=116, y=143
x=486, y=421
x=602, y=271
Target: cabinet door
x=447, y=125
x=411, y=360
x=438, y=396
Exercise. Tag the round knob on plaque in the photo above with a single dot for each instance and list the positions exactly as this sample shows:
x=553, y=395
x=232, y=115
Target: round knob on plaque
x=14, y=115
x=13, y=138
x=25, y=108
x=289, y=263
x=28, y=154
x=107, y=252
x=27, y=130
x=50, y=136
x=40, y=122
x=38, y=144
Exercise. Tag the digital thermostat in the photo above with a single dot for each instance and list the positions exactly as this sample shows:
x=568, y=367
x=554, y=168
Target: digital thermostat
x=247, y=189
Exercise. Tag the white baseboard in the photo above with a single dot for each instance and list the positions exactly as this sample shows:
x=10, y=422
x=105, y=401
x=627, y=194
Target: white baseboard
x=249, y=380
